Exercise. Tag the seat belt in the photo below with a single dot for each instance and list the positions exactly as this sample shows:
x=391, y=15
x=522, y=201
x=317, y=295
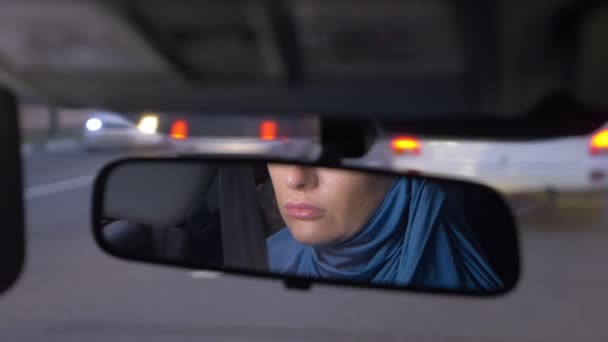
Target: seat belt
x=243, y=237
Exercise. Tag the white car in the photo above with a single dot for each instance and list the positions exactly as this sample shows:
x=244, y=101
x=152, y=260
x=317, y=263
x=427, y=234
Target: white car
x=106, y=130
x=576, y=164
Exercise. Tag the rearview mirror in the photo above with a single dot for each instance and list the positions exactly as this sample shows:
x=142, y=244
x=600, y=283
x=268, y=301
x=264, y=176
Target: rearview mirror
x=306, y=224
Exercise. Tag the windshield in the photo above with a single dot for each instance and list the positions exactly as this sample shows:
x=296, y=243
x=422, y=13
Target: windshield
x=71, y=290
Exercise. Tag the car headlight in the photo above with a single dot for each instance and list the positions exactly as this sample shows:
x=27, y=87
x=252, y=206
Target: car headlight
x=93, y=124
x=148, y=124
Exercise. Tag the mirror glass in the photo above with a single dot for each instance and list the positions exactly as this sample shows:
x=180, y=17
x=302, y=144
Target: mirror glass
x=308, y=222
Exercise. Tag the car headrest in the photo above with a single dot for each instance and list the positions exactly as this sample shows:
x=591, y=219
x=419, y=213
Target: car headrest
x=157, y=194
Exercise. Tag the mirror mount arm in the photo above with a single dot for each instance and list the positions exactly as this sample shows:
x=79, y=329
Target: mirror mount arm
x=343, y=138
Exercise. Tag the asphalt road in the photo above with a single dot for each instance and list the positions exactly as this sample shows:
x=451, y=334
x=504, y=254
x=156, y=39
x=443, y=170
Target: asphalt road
x=71, y=291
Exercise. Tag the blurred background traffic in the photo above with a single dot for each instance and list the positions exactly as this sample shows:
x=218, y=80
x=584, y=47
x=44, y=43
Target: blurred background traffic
x=567, y=165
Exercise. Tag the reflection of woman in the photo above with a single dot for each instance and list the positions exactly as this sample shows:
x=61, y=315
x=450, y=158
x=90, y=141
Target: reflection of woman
x=357, y=226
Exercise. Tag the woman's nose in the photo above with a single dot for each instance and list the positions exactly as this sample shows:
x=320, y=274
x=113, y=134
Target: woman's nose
x=301, y=178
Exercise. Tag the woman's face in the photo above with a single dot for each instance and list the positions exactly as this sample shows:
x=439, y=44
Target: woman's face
x=321, y=205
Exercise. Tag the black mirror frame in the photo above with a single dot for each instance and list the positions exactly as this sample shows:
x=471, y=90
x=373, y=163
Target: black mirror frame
x=292, y=282
x=12, y=234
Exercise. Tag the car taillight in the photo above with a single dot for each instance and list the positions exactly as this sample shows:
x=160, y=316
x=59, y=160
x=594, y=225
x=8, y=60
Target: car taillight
x=179, y=130
x=268, y=130
x=599, y=143
x=405, y=145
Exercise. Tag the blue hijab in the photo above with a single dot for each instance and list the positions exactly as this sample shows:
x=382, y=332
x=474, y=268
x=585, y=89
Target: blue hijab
x=418, y=237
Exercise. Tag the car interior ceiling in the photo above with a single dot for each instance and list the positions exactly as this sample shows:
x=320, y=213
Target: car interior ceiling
x=175, y=33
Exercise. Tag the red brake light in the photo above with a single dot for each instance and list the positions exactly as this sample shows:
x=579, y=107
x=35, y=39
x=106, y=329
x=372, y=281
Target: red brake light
x=179, y=129
x=402, y=145
x=599, y=142
x=268, y=130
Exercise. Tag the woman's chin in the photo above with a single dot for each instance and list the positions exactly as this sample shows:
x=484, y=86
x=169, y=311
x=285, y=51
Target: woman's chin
x=309, y=235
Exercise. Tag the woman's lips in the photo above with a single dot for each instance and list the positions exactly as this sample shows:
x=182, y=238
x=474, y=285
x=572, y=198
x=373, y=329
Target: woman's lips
x=304, y=211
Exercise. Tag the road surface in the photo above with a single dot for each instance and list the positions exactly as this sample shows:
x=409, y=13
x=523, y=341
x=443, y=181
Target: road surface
x=71, y=291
